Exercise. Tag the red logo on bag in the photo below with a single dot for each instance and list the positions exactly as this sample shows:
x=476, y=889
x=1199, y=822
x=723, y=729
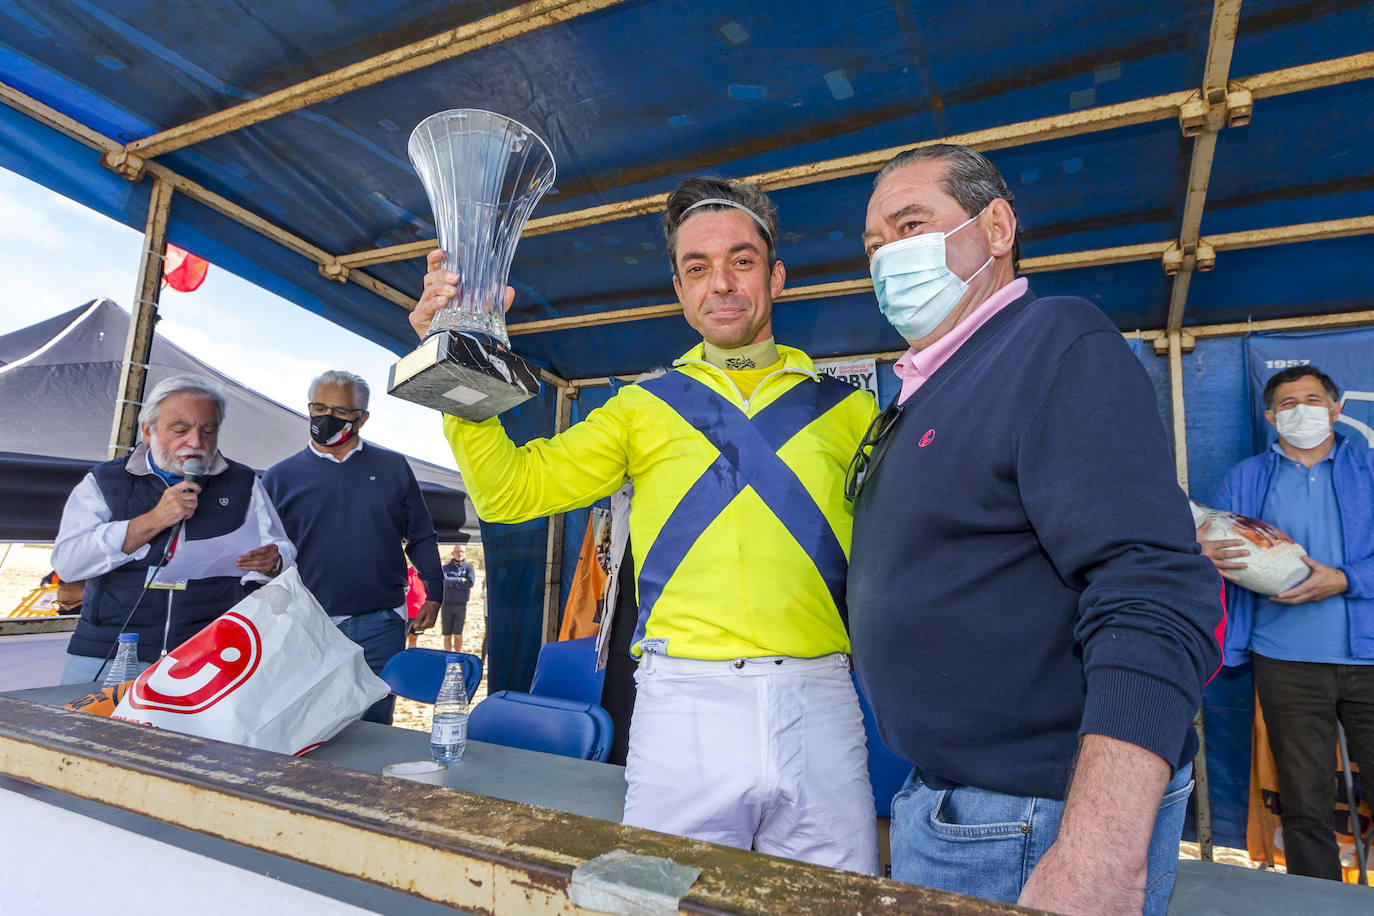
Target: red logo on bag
x=927, y=438
x=203, y=670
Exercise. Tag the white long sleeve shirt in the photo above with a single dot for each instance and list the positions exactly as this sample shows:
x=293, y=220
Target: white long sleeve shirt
x=90, y=543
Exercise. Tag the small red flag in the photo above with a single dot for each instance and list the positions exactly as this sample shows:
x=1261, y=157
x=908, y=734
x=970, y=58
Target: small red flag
x=183, y=271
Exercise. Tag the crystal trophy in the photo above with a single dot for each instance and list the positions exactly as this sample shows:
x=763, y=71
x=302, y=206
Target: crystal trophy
x=483, y=173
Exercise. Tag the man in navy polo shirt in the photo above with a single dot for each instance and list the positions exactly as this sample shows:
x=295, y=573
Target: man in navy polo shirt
x=1031, y=618
x=1312, y=646
x=349, y=507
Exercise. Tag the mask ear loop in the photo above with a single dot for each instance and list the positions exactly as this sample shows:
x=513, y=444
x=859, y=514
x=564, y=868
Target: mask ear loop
x=956, y=229
x=978, y=271
x=965, y=223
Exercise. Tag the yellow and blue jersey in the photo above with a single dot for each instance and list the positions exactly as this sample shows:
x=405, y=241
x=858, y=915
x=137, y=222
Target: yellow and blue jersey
x=739, y=524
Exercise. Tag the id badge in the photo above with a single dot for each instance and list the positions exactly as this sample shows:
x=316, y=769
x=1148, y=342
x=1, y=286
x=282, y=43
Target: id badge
x=175, y=585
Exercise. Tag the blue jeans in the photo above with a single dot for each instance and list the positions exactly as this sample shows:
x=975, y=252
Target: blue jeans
x=381, y=634
x=985, y=844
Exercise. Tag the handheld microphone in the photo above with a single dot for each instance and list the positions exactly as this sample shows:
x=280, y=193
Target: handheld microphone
x=191, y=472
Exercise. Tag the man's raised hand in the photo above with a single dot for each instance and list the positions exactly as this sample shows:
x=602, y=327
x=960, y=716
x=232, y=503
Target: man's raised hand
x=440, y=288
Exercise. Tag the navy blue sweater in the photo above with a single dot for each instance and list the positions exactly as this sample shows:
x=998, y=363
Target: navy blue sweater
x=348, y=522
x=1024, y=567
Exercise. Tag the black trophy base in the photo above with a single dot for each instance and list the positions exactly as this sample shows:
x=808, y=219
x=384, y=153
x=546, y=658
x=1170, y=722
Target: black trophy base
x=463, y=376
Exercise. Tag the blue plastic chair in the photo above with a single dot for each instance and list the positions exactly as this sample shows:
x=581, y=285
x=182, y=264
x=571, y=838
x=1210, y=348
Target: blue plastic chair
x=417, y=674
x=567, y=669
x=555, y=726
x=886, y=771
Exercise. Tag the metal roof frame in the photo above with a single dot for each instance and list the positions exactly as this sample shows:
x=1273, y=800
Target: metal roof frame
x=1220, y=102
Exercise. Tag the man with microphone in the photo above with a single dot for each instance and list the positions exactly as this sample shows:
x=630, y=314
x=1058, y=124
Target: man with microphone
x=127, y=517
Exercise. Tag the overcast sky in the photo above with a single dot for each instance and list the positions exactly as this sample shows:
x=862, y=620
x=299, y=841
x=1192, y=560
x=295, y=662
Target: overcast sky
x=56, y=254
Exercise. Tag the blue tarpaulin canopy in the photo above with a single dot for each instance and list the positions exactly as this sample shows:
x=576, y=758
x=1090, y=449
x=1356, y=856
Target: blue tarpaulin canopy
x=1079, y=105
x=1158, y=151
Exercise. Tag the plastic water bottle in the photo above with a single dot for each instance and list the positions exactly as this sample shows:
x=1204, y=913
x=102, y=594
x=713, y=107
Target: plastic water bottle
x=448, y=738
x=125, y=665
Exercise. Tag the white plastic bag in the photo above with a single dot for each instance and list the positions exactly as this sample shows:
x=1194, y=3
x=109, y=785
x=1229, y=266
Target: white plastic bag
x=1275, y=561
x=272, y=672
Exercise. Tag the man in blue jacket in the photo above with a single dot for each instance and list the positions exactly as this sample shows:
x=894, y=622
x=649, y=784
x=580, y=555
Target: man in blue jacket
x=1031, y=619
x=1312, y=646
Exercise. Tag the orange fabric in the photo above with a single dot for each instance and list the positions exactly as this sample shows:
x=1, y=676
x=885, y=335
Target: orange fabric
x=102, y=702
x=582, y=616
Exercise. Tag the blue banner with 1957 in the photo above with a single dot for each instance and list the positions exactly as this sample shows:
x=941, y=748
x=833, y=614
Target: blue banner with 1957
x=1346, y=356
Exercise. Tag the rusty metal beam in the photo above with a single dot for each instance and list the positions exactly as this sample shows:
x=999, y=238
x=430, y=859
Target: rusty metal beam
x=138, y=343
x=1208, y=115
x=511, y=23
x=1316, y=75
x=1156, y=108
x=1230, y=241
x=1221, y=42
x=1158, y=337
x=1241, y=328
x=1202, y=794
x=553, y=554
x=51, y=117
x=110, y=150
x=480, y=854
x=1298, y=232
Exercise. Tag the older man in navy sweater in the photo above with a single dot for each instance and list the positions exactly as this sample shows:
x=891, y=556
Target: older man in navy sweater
x=349, y=509
x=1031, y=617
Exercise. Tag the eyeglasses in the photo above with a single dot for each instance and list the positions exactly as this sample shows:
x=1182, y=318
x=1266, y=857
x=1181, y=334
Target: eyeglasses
x=343, y=413
x=871, y=448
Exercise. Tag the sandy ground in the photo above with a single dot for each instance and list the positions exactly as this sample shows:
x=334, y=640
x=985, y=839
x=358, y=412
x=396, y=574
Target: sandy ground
x=1222, y=855
x=410, y=714
x=21, y=566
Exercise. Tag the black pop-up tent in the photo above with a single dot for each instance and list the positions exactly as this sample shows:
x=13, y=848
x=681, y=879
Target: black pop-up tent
x=57, y=388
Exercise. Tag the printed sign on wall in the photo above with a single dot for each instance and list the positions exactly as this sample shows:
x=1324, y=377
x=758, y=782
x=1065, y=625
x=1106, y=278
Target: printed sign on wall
x=861, y=373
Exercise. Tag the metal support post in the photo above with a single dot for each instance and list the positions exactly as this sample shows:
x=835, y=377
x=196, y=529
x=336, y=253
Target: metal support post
x=1201, y=796
x=133, y=374
x=553, y=562
x=1355, y=830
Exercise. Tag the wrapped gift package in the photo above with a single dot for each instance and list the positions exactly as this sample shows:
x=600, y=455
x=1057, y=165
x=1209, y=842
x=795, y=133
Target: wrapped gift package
x=1275, y=561
x=273, y=672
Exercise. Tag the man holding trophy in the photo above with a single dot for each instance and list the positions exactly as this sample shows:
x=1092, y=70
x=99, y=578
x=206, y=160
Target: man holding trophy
x=747, y=729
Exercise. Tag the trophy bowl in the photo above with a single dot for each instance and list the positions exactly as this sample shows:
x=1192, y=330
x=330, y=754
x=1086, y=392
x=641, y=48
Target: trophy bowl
x=483, y=173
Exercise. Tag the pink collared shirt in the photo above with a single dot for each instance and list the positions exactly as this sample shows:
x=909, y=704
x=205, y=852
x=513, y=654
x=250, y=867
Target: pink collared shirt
x=915, y=367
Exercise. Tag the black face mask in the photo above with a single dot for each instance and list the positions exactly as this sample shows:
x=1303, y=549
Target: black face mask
x=328, y=430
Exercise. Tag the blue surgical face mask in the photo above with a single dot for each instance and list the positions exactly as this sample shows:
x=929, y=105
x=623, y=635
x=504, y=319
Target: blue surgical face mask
x=916, y=289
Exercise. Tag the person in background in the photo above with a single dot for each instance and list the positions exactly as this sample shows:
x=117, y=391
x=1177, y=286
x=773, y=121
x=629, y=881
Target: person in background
x=415, y=599
x=1032, y=621
x=459, y=578
x=69, y=597
x=118, y=521
x=355, y=512
x=1312, y=646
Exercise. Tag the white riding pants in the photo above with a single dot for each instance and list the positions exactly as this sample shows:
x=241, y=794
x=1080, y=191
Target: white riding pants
x=761, y=753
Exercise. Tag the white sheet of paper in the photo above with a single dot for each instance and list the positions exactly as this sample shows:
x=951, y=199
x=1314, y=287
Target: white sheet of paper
x=212, y=556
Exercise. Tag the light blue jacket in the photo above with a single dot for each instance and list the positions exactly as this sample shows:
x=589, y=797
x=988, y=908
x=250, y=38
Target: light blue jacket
x=1245, y=489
